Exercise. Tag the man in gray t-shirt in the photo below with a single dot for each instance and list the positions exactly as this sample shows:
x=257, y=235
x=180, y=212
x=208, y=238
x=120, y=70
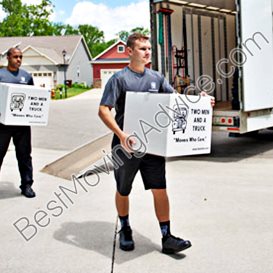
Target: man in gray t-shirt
x=21, y=135
x=129, y=80
x=136, y=77
x=19, y=76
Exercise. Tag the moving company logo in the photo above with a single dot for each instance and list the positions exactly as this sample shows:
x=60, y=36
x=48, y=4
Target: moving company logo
x=180, y=116
x=23, y=80
x=153, y=87
x=17, y=101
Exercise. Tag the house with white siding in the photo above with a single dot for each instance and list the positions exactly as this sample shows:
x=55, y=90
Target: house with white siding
x=43, y=57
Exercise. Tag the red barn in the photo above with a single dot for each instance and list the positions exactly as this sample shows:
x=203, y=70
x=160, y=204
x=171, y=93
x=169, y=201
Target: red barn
x=111, y=60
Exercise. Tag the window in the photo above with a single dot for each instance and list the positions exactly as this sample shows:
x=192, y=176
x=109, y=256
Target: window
x=78, y=71
x=121, y=48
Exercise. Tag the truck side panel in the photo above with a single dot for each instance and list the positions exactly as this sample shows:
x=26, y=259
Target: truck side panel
x=256, y=43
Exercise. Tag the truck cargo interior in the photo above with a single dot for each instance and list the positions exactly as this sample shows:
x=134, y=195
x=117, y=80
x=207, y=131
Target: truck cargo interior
x=193, y=36
x=224, y=47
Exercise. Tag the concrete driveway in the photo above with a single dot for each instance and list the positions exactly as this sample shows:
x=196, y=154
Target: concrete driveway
x=221, y=202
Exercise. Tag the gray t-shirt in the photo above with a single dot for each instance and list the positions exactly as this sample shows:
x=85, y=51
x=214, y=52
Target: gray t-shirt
x=17, y=77
x=128, y=80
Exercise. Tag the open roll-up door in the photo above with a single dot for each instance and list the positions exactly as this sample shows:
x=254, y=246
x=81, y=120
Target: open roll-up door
x=256, y=42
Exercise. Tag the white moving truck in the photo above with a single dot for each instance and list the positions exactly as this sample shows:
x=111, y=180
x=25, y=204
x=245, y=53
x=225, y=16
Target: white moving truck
x=223, y=47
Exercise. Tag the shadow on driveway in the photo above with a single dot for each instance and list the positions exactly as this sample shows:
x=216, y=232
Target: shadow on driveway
x=7, y=190
x=99, y=237
x=233, y=149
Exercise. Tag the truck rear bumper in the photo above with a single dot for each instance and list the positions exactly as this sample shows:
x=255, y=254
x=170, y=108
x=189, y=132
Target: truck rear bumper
x=242, y=122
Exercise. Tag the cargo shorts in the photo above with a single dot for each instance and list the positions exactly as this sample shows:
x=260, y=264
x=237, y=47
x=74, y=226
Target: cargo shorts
x=151, y=167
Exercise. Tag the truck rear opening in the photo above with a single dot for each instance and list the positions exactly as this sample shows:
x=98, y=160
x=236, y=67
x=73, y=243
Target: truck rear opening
x=220, y=46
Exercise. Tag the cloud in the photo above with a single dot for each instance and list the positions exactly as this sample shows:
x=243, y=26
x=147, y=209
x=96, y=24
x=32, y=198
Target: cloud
x=111, y=20
x=57, y=16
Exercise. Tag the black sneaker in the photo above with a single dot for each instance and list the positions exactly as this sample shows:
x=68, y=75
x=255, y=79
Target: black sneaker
x=171, y=244
x=126, y=241
x=28, y=192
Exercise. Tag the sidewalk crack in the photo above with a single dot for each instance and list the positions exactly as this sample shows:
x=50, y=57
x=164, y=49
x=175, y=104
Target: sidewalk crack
x=114, y=246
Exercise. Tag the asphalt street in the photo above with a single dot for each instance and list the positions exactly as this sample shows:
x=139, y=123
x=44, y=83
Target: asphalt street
x=72, y=123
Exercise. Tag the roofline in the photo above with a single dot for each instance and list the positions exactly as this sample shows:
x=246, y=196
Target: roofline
x=108, y=48
x=16, y=45
x=44, y=55
x=73, y=53
x=110, y=62
x=81, y=38
x=87, y=48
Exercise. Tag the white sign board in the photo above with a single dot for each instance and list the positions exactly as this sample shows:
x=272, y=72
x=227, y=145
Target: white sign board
x=169, y=124
x=23, y=104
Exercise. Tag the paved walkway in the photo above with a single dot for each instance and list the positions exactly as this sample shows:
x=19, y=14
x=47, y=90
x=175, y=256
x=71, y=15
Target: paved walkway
x=222, y=203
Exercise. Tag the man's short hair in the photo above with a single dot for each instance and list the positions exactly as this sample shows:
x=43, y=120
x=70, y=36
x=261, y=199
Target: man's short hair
x=12, y=49
x=135, y=36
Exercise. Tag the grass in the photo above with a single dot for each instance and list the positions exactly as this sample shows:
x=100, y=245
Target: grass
x=71, y=92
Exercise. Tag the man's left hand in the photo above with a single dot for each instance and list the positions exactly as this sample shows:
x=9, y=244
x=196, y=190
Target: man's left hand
x=212, y=99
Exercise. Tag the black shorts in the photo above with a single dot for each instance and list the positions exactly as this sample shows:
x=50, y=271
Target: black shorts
x=151, y=167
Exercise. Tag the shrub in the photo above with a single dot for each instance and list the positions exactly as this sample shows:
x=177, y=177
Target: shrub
x=59, y=86
x=79, y=85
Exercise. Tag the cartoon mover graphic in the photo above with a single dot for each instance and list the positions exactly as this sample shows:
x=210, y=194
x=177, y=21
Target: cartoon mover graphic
x=17, y=101
x=180, y=118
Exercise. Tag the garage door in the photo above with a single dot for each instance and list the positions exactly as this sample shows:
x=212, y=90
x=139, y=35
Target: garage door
x=43, y=79
x=105, y=75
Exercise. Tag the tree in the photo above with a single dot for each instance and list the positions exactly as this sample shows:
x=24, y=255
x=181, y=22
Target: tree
x=92, y=36
x=11, y=6
x=70, y=30
x=58, y=29
x=26, y=20
x=123, y=35
x=100, y=47
x=38, y=16
x=142, y=30
x=33, y=20
x=94, y=39
x=14, y=23
x=62, y=29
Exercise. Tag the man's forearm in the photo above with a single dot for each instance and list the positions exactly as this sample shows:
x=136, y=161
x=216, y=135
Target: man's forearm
x=106, y=116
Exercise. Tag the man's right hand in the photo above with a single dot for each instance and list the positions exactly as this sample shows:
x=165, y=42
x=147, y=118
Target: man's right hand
x=127, y=142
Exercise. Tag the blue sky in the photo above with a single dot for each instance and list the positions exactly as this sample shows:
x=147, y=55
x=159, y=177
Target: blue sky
x=109, y=16
x=69, y=4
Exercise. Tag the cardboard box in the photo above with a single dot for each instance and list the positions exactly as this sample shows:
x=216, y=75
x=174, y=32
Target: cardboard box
x=23, y=104
x=169, y=124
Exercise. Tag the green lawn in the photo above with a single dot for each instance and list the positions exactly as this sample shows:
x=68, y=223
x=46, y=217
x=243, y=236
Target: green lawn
x=71, y=92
